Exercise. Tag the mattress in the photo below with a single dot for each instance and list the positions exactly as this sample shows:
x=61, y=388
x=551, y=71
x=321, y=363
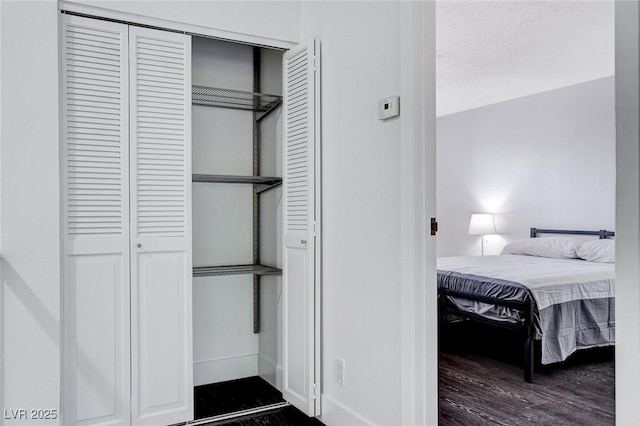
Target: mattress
x=574, y=298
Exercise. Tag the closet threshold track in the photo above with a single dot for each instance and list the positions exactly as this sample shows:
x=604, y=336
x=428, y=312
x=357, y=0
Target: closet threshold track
x=224, y=418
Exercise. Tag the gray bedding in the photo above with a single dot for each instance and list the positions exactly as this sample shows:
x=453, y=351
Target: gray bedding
x=574, y=298
x=486, y=286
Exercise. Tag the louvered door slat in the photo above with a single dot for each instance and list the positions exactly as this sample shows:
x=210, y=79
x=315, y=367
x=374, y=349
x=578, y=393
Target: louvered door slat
x=95, y=125
x=152, y=135
x=87, y=124
x=297, y=120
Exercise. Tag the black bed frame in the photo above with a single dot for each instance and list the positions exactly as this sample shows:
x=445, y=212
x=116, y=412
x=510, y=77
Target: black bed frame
x=527, y=307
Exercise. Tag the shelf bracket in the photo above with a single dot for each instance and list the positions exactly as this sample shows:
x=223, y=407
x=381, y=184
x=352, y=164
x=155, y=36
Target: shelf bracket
x=271, y=108
x=261, y=190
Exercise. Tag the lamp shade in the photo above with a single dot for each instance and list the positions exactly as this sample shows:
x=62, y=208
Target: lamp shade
x=481, y=224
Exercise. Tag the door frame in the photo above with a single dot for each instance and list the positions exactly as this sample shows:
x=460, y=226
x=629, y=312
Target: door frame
x=418, y=297
x=627, y=52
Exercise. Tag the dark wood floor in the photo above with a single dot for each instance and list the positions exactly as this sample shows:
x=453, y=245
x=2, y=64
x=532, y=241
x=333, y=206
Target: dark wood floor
x=233, y=395
x=242, y=394
x=481, y=383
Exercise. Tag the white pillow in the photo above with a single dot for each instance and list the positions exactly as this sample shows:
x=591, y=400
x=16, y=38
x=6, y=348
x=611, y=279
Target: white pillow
x=603, y=251
x=556, y=247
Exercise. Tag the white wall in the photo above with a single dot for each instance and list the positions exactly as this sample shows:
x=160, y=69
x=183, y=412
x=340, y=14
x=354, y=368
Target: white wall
x=30, y=219
x=224, y=345
x=545, y=160
x=362, y=62
x=279, y=20
x=627, y=212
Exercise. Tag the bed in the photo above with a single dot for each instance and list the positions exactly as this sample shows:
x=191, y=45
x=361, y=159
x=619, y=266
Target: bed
x=542, y=288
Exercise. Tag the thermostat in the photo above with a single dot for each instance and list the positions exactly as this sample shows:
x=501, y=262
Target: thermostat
x=389, y=107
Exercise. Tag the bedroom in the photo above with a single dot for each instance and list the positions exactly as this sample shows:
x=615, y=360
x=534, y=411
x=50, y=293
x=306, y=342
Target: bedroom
x=526, y=108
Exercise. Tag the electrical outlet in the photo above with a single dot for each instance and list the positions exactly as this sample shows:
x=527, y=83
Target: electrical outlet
x=339, y=371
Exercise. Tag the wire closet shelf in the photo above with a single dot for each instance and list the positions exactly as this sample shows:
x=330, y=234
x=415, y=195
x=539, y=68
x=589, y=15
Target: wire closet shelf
x=208, y=271
x=258, y=180
x=234, y=99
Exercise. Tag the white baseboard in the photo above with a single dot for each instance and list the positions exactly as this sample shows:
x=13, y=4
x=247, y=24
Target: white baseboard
x=267, y=370
x=336, y=414
x=279, y=384
x=220, y=370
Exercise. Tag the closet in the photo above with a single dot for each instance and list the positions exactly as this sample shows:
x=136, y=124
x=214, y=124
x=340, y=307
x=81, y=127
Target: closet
x=237, y=284
x=191, y=223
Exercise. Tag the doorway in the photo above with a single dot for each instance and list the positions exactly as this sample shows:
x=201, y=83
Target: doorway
x=514, y=139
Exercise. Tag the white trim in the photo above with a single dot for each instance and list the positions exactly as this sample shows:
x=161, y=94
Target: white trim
x=266, y=363
x=67, y=368
x=419, y=357
x=335, y=413
x=2, y=323
x=317, y=225
x=196, y=30
x=2, y=308
x=627, y=51
x=224, y=369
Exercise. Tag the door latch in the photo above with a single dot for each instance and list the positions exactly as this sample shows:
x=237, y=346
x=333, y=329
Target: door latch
x=434, y=226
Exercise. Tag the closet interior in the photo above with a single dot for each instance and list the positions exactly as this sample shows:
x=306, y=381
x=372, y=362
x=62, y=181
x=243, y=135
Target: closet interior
x=237, y=244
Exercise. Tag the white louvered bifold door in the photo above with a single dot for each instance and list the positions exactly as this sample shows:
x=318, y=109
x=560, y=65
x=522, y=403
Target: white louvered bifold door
x=95, y=170
x=301, y=272
x=161, y=270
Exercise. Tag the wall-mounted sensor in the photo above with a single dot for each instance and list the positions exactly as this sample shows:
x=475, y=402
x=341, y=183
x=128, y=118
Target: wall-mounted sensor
x=389, y=107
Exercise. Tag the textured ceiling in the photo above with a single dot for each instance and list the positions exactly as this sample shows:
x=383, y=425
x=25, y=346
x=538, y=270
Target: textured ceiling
x=493, y=51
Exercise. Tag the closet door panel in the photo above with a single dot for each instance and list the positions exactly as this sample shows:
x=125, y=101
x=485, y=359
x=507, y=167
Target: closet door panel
x=101, y=287
x=160, y=297
x=160, y=78
x=301, y=272
x=95, y=170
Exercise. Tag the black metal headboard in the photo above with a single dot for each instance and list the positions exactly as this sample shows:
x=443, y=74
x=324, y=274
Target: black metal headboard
x=602, y=234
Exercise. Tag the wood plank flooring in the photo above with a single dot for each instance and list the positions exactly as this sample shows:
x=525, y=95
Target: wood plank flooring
x=481, y=383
